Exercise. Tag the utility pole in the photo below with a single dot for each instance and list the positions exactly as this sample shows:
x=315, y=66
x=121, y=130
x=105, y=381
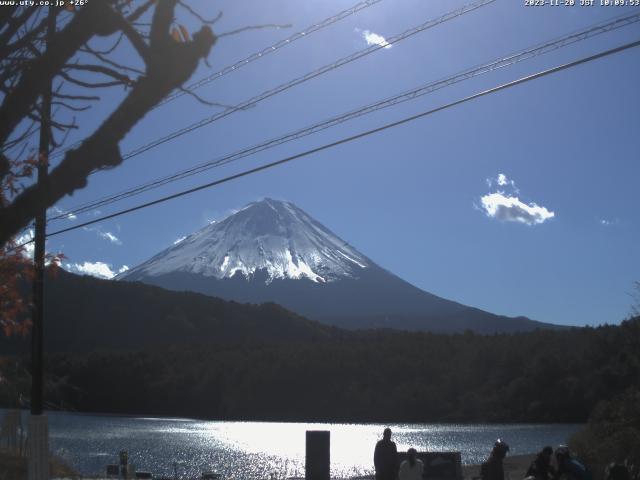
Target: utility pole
x=38, y=449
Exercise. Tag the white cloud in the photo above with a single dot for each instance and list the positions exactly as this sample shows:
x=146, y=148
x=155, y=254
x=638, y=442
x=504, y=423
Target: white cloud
x=111, y=237
x=28, y=249
x=607, y=222
x=510, y=209
x=503, y=181
x=104, y=235
x=179, y=240
x=96, y=269
x=374, y=39
x=55, y=211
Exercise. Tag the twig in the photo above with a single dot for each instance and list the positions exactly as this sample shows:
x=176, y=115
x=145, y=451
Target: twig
x=198, y=16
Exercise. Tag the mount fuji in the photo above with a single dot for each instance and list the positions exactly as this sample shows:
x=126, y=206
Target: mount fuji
x=272, y=251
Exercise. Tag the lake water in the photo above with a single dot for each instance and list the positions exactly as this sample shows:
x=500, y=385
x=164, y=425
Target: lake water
x=257, y=450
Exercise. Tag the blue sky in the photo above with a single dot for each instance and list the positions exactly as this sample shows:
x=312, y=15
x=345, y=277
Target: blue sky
x=520, y=203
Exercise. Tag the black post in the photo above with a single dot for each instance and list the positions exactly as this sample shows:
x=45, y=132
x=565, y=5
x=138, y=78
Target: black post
x=317, y=462
x=38, y=446
x=37, y=377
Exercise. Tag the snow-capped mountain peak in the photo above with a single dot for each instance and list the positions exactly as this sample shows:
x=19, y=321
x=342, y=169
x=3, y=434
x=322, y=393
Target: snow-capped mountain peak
x=268, y=236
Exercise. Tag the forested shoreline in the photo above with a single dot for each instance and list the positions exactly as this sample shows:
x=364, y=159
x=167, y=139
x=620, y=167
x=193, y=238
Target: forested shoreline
x=383, y=375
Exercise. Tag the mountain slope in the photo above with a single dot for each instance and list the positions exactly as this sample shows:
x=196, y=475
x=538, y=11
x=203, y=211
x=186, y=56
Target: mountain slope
x=86, y=314
x=275, y=237
x=273, y=251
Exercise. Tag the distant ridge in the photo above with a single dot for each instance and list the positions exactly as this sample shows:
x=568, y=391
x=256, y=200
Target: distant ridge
x=272, y=251
x=85, y=314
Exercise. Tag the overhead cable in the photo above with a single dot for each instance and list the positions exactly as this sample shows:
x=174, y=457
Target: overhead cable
x=308, y=76
x=270, y=49
x=511, y=59
x=352, y=138
x=255, y=56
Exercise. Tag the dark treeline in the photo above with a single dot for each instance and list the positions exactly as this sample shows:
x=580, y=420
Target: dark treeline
x=543, y=376
x=85, y=314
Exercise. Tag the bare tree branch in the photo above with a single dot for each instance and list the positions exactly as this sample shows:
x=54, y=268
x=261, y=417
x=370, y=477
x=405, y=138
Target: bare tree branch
x=207, y=102
x=101, y=69
x=56, y=144
x=63, y=126
x=5, y=16
x=109, y=50
x=162, y=17
x=30, y=130
x=136, y=40
x=14, y=24
x=82, y=83
x=76, y=97
x=170, y=64
x=71, y=107
x=95, y=18
x=198, y=16
x=106, y=60
x=23, y=41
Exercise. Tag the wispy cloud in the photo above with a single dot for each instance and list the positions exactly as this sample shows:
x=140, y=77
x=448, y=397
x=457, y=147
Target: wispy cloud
x=609, y=222
x=96, y=269
x=373, y=38
x=507, y=207
x=111, y=237
x=55, y=211
x=104, y=235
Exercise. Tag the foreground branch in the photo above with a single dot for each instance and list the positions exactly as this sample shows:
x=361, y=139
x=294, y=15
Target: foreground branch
x=169, y=65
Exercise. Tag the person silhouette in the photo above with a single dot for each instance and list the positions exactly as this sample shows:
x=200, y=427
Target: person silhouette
x=493, y=469
x=412, y=467
x=570, y=468
x=541, y=468
x=385, y=457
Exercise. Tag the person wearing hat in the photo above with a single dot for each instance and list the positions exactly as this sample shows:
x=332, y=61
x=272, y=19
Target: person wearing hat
x=493, y=469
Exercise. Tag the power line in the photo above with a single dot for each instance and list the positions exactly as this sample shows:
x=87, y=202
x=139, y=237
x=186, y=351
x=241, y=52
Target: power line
x=309, y=76
x=354, y=137
x=272, y=48
x=511, y=59
x=255, y=56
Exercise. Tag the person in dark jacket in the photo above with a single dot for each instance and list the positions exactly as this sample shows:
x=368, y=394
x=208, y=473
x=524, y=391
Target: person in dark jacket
x=493, y=469
x=541, y=468
x=385, y=457
x=568, y=467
